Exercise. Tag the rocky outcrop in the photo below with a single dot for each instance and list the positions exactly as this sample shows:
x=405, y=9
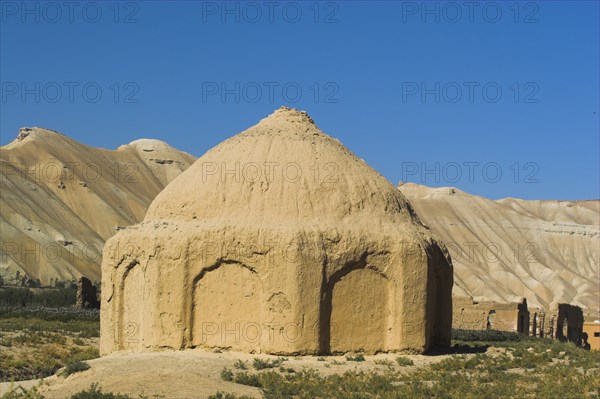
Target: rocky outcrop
x=23, y=133
x=278, y=240
x=162, y=161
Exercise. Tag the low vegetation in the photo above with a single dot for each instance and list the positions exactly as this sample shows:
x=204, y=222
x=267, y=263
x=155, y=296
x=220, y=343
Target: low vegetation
x=474, y=368
x=59, y=297
x=15, y=392
x=35, y=343
x=241, y=365
x=74, y=367
x=523, y=368
x=357, y=358
x=261, y=364
x=404, y=361
x=93, y=392
x=50, y=314
x=383, y=362
x=225, y=395
x=459, y=335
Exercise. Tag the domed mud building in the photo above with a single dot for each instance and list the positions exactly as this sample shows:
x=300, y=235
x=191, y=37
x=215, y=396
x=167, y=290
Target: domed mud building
x=278, y=240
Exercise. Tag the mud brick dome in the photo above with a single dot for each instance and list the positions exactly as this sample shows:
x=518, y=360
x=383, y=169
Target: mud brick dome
x=278, y=240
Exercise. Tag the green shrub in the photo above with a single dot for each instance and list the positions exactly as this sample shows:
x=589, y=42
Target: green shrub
x=404, y=361
x=18, y=392
x=246, y=378
x=74, y=367
x=240, y=365
x=383, y=362
x=357, y=358
x=227, y=395
x=226, y=374
x=94, y=392
x=261, y=364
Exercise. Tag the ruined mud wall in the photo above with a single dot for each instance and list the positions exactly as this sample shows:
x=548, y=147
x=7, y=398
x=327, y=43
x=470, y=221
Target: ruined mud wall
x=469, y=314
x=567, y=323
x=87, y=294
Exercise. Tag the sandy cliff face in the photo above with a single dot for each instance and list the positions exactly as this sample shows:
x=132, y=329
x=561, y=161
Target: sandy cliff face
x=61, y=200
x=546, y=251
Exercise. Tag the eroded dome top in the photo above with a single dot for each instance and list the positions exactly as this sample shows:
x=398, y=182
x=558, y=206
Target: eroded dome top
x=283, y=168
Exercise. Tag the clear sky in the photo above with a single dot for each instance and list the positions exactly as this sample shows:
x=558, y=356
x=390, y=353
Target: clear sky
x=499, y=99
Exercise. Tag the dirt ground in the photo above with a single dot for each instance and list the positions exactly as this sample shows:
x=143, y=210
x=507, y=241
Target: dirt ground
x=191, y=373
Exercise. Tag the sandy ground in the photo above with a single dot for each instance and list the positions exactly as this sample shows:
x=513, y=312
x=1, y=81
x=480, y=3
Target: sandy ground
x=190, y=373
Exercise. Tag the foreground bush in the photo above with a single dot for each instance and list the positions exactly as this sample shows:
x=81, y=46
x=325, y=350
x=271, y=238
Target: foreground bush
x=93, y=392
x=358, y=358
x=74, y=367
x=96, y=393
x=404, y=361
x=21, y=393
x=261, y=364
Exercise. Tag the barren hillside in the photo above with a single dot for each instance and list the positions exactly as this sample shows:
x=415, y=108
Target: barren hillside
x=61, y=200
x=546, y=251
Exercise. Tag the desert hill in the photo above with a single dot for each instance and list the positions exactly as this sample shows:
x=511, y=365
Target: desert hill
x=546, y=251
x=61, y=200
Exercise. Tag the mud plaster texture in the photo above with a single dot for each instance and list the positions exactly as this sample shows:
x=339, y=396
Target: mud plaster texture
x=278, y=240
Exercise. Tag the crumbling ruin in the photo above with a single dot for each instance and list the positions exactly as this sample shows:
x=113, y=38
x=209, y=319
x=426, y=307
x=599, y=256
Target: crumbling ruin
x=535, y=321
x=278, y=240
x=87, y=294
x=563, y=322
x=469, y=314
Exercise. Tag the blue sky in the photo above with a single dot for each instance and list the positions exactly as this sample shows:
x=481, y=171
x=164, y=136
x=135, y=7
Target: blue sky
x=500, y=100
